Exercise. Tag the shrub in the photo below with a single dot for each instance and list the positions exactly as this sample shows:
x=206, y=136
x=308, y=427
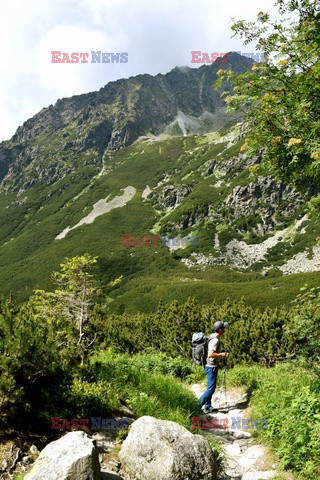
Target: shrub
x=288, y=397
x=85, y=399
x=147, y=392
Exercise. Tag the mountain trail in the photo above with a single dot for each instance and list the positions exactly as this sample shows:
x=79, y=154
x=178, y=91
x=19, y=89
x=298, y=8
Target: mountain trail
x=244, y=459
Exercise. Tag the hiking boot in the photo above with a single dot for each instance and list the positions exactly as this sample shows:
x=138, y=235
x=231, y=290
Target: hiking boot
x=208, y=409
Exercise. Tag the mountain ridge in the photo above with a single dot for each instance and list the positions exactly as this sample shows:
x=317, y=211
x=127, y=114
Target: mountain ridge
x=118, y=114
x=187, y=174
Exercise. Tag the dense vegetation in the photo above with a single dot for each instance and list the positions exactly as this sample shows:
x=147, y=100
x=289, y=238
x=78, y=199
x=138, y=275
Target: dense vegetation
x=281, y=96
x=84, y=348
x=63, y=355
x=288, y=396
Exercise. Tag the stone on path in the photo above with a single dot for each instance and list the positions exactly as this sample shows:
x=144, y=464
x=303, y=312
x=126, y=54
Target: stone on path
x=251, y=455
x=232, y=468
x=243, y=460
x=163, y=450
x=73, y=457
x=238, y=434
x=258, y=475
x=233, y=449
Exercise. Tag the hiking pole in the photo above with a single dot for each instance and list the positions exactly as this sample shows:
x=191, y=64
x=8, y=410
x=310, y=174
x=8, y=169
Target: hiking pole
x=224, y=383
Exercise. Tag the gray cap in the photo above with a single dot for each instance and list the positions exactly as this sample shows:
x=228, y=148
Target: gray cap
x=218, y=325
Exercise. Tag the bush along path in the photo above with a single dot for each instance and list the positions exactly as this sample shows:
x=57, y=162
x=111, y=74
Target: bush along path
x=232, y=427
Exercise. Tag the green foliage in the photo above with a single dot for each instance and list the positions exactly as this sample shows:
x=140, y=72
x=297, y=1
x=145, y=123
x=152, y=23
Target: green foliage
x=21, y=476
x=71, y=304
x=281, y=99
x=253, y=336
x=304, y=327
x=178, y=366
x=40, y=345
x=30, y=360
x=85, y=399
x=145, y=392
x=288, y=396
x=218, y=453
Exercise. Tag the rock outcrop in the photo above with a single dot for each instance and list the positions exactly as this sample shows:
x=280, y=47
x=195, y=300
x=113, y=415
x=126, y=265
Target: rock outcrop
x=72, y=457
x=172, y=196
x=163, y=450
x=77, y=131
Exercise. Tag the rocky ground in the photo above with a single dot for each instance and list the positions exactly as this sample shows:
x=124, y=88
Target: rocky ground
x=244, y=458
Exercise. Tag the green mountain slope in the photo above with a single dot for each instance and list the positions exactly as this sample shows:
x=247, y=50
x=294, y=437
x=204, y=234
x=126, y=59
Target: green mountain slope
x=64, y=193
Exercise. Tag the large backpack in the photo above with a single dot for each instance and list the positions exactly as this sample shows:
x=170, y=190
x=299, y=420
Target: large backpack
x=200, y=348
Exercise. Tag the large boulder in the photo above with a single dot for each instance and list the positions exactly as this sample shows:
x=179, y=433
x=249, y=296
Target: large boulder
x=162, y=450
x=72, y=457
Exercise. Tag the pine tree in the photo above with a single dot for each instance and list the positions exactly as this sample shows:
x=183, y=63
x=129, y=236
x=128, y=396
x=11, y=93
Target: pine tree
x=70, y=305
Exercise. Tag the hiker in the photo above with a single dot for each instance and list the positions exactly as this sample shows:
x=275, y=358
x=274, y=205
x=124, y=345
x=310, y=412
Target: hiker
x=212, y=365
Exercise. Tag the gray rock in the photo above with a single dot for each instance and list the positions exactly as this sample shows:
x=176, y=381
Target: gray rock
x=173, y=195
x=233, y=449
x=250, y=456
x=72, y=457
x=27, y=459
x=105, y=440
x=34, y=450
x=234, y=411
x=258, y=475
x=240, y=434
x=242, y=442
x=163, y=450
x=232, y=468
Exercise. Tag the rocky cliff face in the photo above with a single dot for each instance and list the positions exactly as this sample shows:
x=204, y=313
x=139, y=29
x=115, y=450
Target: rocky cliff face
x=82, y=129
x=144, y=156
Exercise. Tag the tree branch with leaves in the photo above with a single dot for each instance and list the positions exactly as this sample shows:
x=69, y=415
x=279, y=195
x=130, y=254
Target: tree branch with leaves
x=281, y=96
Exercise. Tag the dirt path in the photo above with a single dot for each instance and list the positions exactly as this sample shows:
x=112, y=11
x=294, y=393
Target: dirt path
x=244, y=458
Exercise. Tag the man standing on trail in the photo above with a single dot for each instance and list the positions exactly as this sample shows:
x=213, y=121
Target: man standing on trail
x=212, y=365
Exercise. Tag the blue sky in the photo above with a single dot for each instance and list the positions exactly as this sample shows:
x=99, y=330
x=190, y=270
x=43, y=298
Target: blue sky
x=158, y=35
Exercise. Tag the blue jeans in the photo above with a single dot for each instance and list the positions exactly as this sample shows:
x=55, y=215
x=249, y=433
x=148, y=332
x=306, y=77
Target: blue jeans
x=212, y=373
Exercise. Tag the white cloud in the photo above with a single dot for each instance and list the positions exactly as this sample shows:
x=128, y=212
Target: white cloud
x=66, y=79
x=158, y=35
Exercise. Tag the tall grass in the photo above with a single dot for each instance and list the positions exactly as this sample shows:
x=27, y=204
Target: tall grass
x=289, y=397
x=148, y=384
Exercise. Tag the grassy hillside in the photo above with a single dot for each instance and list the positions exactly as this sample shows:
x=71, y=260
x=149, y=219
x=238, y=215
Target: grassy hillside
x=32, y=220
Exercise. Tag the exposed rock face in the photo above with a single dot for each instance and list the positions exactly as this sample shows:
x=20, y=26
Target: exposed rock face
x=72, y=457
x=241, y=255
x=173, y=195
x=251, y=208
x=266, y=196
x=112, y=118
x=163, y=450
